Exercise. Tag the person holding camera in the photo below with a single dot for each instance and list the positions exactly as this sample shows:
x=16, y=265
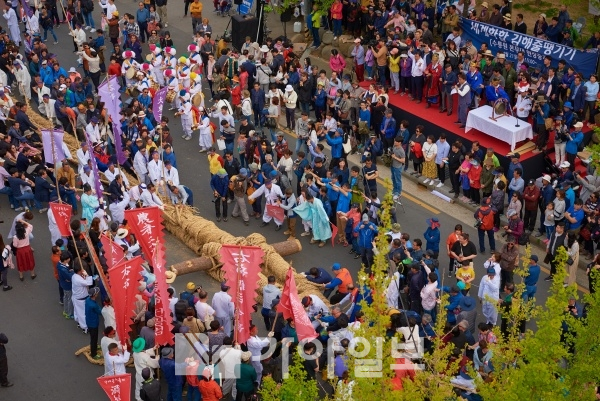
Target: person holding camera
x=484, y=222
x=541, y=111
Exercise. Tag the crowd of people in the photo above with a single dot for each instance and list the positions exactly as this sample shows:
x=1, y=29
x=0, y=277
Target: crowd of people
x=268, y=179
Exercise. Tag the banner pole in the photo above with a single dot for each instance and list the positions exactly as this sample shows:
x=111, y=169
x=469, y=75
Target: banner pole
x=96, y=261
x=237, y=298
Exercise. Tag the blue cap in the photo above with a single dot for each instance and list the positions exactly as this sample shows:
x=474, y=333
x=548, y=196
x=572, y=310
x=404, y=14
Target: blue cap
x=568, y=105
x=243, y=172
x=336, y=266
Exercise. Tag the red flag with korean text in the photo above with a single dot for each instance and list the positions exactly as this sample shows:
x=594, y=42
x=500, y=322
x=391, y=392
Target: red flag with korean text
x=241, y=265
x=146, y=224
x=291, y=307
x=117, y=388
x=113, y=252
x=125, y=277
x=62, y=215
x=162, y=312
x=276, y=212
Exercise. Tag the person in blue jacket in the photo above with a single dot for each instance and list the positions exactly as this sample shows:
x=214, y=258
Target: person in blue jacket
x=573, y=144
x=46, y=74
x=475, y=81
x=174, y=381
x=92, y=319
x=553, y=31
x=58, y=71
x=367, y=231
x=317, y=275
x=532, y=278
x=320, y=100
x=388, y=129
x=219, y=183
x=64, y=280
x=374, y=147
x=453, y=302
x=337, y=150
x=432, y=236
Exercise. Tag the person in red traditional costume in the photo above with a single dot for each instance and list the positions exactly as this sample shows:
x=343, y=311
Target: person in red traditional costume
x=432, y=76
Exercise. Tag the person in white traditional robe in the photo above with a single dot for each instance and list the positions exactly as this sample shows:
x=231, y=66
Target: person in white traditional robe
x=53, y=228
x=205, y=139
x=155, y=169
x=140, y=165
x=117, y=208
x=224, y=308
x=23, y=78
x=110, y=337
x=32, y=24
x=393, y=291
x=113, y=171
x=489, y=294
x=116, y=361
x=272, y=194
x=13, y=23
x=122, y=239
x=80, y=284
x=92, y=130
x=149, y=198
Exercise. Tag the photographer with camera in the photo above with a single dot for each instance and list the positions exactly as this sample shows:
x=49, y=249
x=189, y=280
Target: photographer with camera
x=541, y=111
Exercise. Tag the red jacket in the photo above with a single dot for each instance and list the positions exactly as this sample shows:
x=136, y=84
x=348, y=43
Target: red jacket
x=531, y=194
x=475, y=177
x=210, y=390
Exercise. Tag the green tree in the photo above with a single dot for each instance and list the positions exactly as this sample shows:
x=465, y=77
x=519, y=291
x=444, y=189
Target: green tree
x=296, y=386
x=543, y=363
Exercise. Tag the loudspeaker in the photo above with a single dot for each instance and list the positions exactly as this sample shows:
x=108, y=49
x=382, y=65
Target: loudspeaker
x=242, y=26
x=286, y=15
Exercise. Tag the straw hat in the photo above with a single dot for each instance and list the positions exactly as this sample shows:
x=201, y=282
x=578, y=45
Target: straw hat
x=485, y=4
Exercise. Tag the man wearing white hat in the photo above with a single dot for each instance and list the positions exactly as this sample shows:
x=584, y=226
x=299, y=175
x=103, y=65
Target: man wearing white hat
x=358, y=52
x=546, y=197
x=290, y=98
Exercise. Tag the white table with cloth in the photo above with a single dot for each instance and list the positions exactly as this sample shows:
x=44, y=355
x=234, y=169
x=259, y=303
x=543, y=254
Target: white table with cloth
x=503, y=128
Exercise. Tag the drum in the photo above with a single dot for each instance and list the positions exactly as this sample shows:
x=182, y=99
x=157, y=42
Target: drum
x=133, y=92
x=150, y=58
x=155, y=85
x=197, y=100
x=170, y=96
x=130, y=73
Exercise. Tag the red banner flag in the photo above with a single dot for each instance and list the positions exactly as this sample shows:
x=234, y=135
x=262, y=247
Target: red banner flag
x=334, y=231
x=291, y=307
x=241, y=265
x=112, y=251
x=146, y=224
x=276, y=212
x=62, y=215
x=125, y=277
x=162, y=312
x=117, y=388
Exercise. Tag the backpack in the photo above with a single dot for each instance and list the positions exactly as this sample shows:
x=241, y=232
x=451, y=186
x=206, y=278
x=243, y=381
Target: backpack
x=487, y=221
x=523, y=239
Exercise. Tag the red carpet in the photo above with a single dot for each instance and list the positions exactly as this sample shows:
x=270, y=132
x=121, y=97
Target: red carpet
x=447, y=124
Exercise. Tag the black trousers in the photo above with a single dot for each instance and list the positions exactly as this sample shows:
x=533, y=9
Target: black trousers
x=506, y=277
x=218, y=202
x=529, y=219
x=441, y=172
x=3, y=368
x=455, y=181
x=93, y=331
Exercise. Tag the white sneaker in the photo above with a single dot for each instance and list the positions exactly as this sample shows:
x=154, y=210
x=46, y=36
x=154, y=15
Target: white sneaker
x=441, y=184
x=426, y=181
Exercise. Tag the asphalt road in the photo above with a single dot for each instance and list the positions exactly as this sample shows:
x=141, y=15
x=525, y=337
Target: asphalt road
x=42, y=343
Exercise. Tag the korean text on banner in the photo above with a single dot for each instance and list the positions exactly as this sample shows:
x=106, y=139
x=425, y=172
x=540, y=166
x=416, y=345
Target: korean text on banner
x=535, y=49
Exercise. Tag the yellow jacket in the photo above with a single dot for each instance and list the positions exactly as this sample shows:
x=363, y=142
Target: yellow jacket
x=196, y=9
x=394, y=64
x=214, y=163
